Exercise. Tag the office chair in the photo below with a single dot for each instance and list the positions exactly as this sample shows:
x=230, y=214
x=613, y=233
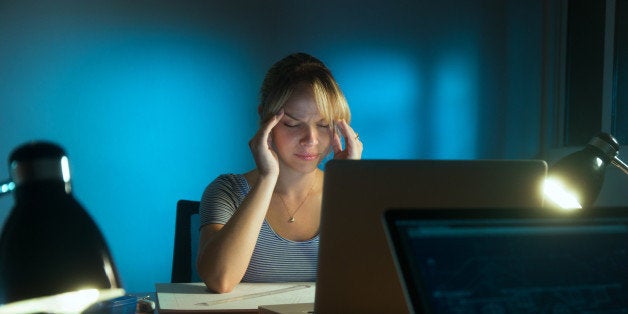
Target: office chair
x=186, y=242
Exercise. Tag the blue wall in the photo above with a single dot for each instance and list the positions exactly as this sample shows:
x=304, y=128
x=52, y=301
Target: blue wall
x=153, y=99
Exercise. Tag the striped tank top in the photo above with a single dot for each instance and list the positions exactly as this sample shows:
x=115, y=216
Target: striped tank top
x=275, y=259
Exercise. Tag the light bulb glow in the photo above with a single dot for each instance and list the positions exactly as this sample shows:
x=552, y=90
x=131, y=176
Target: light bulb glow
x=65, y=169
x=69, y=302
x=556, y=192
x=74, y=302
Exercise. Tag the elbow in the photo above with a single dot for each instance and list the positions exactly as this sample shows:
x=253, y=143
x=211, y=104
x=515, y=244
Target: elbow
x=219, y=285
x=217, y=276
x=218, y=281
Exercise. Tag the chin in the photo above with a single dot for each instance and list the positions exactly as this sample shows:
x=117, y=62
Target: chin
x=307, y=166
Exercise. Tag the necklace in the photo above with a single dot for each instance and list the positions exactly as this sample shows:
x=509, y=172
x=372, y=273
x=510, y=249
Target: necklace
x=291, y=220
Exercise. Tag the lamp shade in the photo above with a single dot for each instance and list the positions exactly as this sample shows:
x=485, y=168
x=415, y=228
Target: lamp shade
x=582, y=173
x=50, y=245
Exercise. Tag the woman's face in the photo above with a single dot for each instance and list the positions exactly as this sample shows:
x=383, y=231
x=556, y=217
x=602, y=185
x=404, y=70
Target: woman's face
x=302, y=138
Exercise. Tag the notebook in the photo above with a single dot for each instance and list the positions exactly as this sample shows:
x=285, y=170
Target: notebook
x=511, y=260
x=356, y=271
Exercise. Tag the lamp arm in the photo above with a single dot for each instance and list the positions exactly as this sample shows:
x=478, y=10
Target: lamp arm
x=620, y=164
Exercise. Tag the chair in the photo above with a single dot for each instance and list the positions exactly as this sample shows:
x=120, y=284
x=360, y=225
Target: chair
x=186, y=235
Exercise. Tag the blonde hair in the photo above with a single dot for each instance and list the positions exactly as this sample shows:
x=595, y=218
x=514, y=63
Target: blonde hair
x=301, y=68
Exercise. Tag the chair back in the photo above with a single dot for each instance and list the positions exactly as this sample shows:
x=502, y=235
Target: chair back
x=186, y=237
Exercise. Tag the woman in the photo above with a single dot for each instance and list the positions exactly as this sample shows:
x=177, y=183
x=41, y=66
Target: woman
x=262, y=226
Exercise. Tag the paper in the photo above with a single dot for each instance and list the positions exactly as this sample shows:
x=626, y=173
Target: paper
x=299, y=308
x=245, y=296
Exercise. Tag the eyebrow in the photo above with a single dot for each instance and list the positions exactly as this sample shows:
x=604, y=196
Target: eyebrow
x=291, y=116
x=295, y=118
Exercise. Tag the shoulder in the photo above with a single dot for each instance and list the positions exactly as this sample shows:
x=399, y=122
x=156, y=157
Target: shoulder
x=230, y=181
x=225, y=193
x=227, y=186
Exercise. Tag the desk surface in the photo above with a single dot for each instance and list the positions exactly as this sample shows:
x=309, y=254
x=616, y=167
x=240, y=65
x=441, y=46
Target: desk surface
x=290, y=297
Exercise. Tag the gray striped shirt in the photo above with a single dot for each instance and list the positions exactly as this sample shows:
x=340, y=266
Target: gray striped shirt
x=275, y=259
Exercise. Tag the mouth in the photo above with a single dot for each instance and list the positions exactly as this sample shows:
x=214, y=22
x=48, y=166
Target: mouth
x=307, y=156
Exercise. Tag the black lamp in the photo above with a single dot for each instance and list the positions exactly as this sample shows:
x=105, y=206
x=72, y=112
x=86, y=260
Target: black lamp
x=53, y=257
x=576, y=180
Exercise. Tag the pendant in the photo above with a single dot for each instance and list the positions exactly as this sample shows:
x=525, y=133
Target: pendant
x=291, y=219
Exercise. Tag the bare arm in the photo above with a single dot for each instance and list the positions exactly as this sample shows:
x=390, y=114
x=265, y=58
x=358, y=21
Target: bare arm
x=225, y=250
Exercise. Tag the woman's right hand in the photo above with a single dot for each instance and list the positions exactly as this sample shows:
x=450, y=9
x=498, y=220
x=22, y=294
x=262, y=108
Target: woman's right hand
x=262, y=148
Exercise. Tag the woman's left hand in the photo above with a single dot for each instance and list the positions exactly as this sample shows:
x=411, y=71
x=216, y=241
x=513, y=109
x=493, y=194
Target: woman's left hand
x=353, y=145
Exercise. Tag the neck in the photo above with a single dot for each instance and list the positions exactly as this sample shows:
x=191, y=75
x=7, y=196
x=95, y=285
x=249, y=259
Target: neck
x=297, y=183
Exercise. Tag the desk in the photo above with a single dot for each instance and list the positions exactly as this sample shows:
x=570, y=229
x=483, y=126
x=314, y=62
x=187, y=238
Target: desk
x=267, y=298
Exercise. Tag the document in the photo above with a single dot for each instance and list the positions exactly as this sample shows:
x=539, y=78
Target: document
x=246, y=297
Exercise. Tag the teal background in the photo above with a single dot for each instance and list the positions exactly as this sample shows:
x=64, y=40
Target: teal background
x=153, y=99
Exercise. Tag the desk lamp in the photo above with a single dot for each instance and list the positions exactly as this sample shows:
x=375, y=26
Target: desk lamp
x=53, y=257
x=575, y=181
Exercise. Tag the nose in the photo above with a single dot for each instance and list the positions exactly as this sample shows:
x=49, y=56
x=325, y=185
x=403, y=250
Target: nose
x=309, y=136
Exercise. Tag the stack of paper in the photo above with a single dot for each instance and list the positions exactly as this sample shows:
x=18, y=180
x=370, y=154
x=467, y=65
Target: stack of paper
x=245, y=298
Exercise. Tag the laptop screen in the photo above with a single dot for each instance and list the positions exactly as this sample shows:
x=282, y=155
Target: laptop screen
x=511, y=260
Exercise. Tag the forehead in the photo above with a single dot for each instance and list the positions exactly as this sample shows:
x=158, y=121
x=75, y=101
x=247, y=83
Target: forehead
x=302, y=103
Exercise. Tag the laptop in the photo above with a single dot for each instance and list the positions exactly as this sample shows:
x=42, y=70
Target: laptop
x=488, y=260
x=356, y=271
